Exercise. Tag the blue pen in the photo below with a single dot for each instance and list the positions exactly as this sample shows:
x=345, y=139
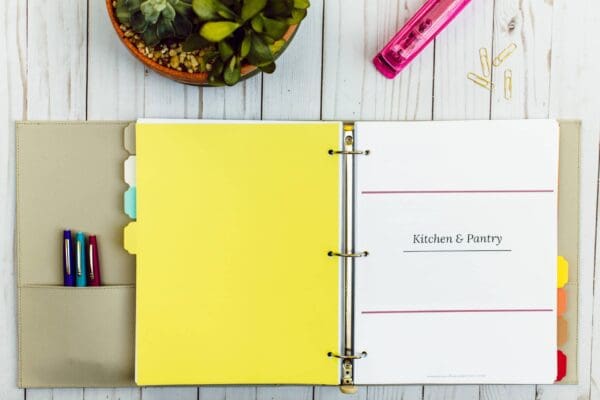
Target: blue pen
x=68, y=259
x=80, y=263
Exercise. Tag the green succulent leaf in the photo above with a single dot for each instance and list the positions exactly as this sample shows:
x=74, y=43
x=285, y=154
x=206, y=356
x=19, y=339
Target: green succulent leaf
x=183, y=26
x=274, y=28
x=217, y=31
x=152, y=9
x=194, y=42
x=268, y=68
x=123, y=13
x=150, y=36
x=138, y=22
x=226, y=50
x=298, y=15
x=277, y=46
x=232, y=73
x=165, y=29
x=257, y=23
x=132, y=5
x=252, y=7
x=245, y=46
x=206, y=9
x=182, y=7
x=260, y=54
x=304, y=4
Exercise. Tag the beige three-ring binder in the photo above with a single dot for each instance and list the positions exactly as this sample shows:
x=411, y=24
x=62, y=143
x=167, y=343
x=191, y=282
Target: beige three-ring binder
x=70, y=176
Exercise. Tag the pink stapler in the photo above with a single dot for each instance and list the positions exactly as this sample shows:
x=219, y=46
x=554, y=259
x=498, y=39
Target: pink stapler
x=421, y=29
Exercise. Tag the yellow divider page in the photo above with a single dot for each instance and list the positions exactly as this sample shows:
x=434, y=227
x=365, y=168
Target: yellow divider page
x=234, y=222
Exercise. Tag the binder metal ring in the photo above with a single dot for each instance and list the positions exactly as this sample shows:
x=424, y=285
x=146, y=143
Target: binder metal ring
x=351, y=152
x=356, y=255
x=362, y=354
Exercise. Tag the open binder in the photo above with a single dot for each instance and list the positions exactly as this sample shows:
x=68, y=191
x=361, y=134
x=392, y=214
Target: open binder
x=85, y=337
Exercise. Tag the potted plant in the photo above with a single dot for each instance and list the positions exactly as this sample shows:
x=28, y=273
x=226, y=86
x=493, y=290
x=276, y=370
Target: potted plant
x=207, y=42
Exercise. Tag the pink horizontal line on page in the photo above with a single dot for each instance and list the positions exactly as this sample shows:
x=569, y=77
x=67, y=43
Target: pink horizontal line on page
x=493, y=310
x=456, y=191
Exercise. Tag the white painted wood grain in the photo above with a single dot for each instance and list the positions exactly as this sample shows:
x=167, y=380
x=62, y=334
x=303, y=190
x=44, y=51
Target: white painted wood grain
x=298, y=79
x=462, y=392
x=457, y=54
x=54, y=394
x=170, y=393
x=112, y=394
x=528, y=24
x=334, y=393
x=352, y=88
x=54, y=81
x=115, y=79
x=407, y=392
x=57, y=58
x=242, y=101
x=508, y=392
x=13, y=81
x=284, y=393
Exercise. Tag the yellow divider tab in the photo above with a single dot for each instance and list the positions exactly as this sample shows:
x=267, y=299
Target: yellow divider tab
x=130, y=238
x=563, y=272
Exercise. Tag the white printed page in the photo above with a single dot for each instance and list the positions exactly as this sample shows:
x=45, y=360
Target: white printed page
x=460, y=222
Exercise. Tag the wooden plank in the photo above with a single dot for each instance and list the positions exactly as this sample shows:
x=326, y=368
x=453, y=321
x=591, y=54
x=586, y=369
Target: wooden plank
x=56, y=89
x=13, y=82
x=352, y=88
x=334, y=393
x=508, y=392
x=115, y=79
x=284, y=393
x=164, y=98
x=457, y=54
x=113, y=394
x=57, y=59
x=54, y=394
x=294, y=90
x=575, y=85
x=408, y=392
x=243, y=101
x=528, y=24
x=171, y=393
x=457, y=392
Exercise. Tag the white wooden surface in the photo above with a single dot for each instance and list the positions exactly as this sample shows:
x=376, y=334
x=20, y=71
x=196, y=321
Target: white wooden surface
x=60, y=60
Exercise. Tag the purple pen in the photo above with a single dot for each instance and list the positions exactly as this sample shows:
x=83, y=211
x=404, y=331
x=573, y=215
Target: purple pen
x=68, y=259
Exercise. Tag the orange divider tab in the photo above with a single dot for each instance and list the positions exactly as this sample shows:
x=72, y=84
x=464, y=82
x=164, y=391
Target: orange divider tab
x=561, y=301
x=563, y=272
x=562, y=331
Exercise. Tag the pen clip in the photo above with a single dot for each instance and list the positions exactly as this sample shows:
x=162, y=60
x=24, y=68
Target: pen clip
x=68, y=256
x=91, y=256
x=78, y=258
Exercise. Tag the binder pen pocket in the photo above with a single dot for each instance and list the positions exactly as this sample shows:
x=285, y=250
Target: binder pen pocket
x=74, y=337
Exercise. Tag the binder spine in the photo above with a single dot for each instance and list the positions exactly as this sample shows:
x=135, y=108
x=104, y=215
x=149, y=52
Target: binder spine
x=348, y=255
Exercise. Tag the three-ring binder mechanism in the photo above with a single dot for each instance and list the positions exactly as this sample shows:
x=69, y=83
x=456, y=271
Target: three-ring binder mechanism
x=348, y=255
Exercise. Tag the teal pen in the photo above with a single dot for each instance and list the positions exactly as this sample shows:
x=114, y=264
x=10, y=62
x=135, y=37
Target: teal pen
x=80, y=263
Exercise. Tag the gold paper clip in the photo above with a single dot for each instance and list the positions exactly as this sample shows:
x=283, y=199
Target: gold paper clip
x=480, y=80
x=504, y=54
x=485, y=61
x=508, y=84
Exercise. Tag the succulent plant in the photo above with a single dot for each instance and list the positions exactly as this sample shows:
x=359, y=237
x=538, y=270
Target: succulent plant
x=243, y=31
x=157, y=20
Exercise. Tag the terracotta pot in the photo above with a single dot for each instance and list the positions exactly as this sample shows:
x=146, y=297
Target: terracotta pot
x=197, y=78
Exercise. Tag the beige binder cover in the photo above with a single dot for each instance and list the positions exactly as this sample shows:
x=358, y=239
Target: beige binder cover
x=70, y=176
